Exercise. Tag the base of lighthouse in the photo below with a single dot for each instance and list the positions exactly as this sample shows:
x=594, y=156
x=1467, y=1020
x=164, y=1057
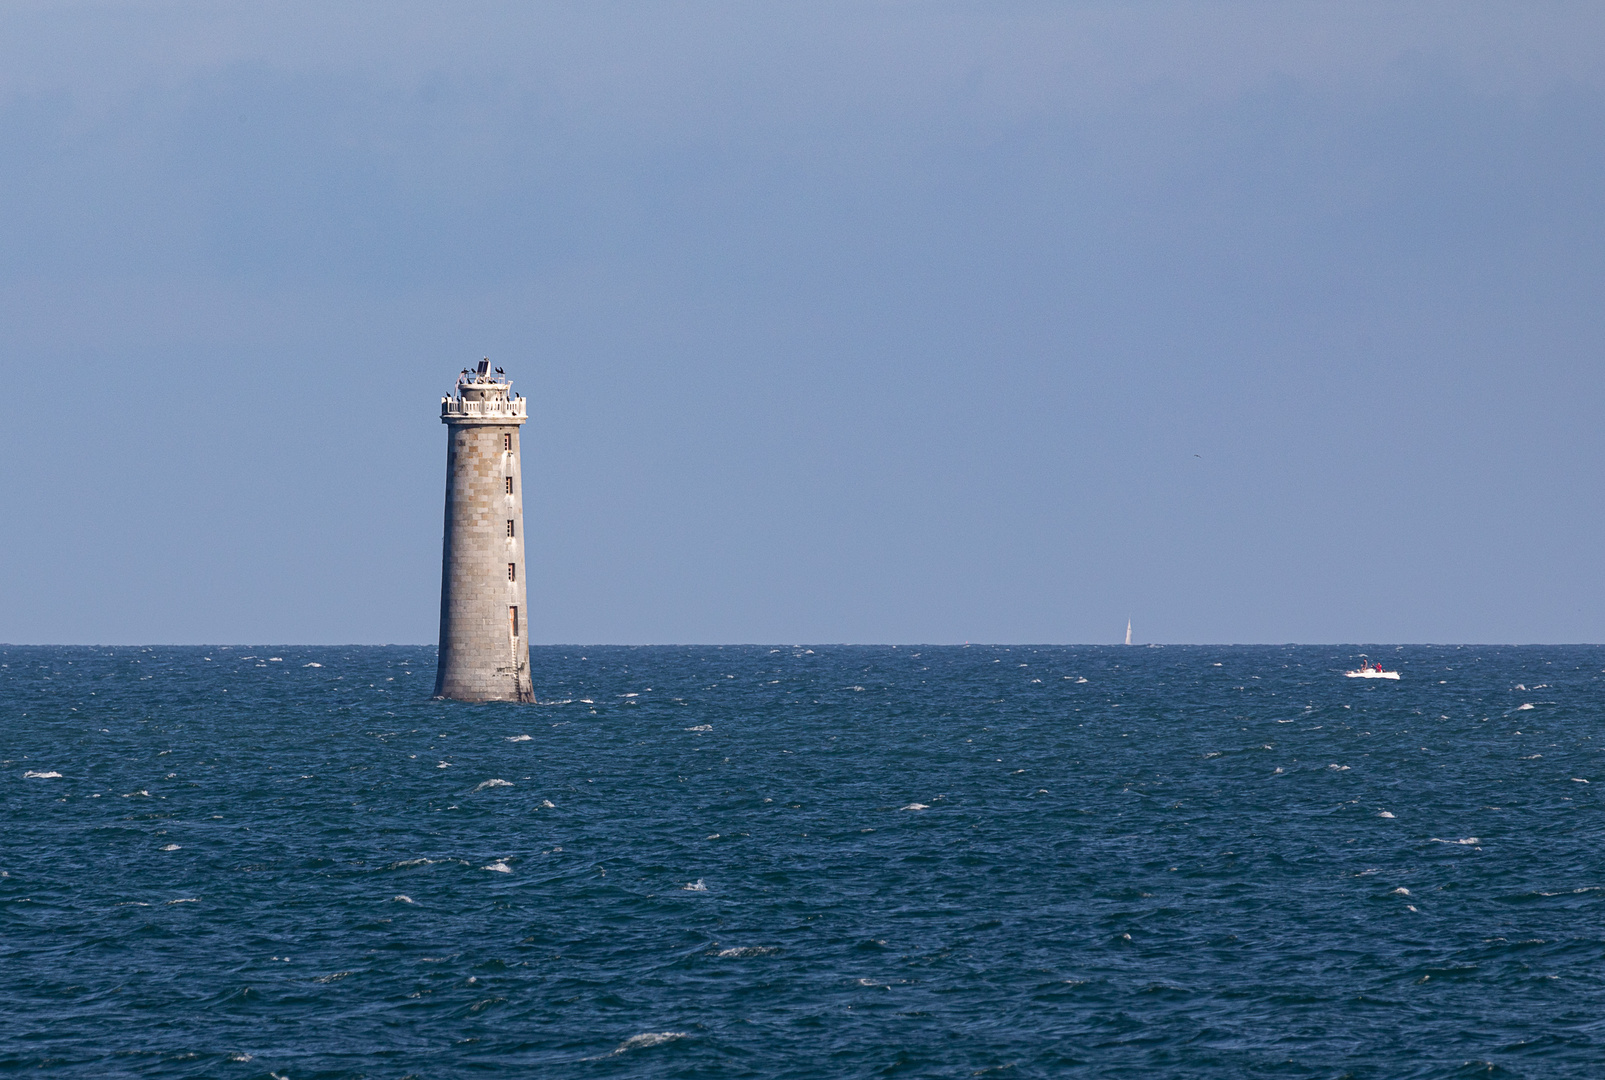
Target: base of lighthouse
x=484, y=635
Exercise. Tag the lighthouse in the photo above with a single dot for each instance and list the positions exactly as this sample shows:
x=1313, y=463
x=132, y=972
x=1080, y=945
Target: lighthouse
x=484, y=617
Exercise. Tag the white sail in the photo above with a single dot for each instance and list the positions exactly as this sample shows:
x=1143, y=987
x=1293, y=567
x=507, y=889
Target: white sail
x=1128, y=631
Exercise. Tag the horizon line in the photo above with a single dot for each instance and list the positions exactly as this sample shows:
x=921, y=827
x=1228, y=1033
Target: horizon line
x=824, y=644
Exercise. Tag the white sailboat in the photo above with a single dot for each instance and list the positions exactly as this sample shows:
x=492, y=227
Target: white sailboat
x=1128, y=631
x=1368, y=670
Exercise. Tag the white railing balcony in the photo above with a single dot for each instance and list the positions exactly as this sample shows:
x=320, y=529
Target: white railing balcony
x=456, y=406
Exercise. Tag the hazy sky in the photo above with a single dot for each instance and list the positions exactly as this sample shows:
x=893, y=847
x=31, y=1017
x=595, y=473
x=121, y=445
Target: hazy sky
x=872, y=322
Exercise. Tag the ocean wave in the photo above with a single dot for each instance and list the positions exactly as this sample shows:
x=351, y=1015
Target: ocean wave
x=646, y=1040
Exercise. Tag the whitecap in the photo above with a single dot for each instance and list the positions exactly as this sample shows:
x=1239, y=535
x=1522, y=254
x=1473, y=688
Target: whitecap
x=494, y=783
x=548, y=804
x=915, y=806
x=518, y=738
x=1522, y=708
x=1470, y=840
x=405, y=863
x=141, y=791
x=1385, y=814
x=444, y=765
x=1340, y=768
x=749, y=950
x=404, y=899
x=1578, y=780
x=649, y=1038
x=694, y=886
x=190, y=900
x=641, y=1041
x=1401, y=891
x=171, y=847
x=499, y=866
x=311, y=665
x=701, y=727
x=41, y=775
x=239, y=1057
x=275, y=659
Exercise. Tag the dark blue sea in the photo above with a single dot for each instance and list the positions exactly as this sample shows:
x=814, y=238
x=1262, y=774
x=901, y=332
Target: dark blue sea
x=804, y=862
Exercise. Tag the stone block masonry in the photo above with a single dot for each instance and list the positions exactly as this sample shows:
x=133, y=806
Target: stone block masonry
x=484, y=616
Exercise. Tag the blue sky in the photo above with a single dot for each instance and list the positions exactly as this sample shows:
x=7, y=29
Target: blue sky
x=898, y=322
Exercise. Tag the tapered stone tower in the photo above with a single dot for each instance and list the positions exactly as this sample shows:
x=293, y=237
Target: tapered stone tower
x=484, y=619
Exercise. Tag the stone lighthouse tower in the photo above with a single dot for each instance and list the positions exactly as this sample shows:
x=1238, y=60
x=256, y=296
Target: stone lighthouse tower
x=484, y=618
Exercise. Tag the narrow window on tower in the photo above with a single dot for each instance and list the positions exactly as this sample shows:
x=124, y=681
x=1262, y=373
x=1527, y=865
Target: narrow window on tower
x=512, y=571
x=507, y=442
x=509, y=528
x=509, y=485
x=512, y=617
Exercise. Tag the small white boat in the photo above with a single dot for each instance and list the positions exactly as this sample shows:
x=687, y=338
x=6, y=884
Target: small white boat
x=1368, y=670
x=1128, y=631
